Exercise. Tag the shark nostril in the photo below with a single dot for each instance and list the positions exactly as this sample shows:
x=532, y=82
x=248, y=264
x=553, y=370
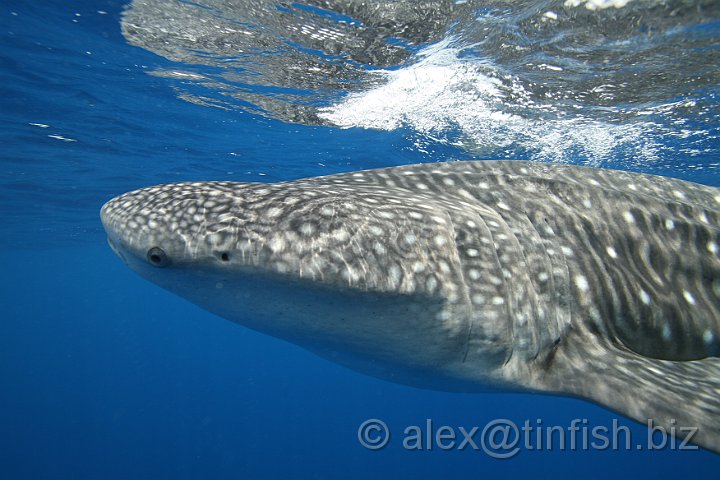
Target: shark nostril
x=158, y=257
x=224, y=256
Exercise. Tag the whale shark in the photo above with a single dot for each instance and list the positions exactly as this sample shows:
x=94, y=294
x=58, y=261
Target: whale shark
x=461, y=276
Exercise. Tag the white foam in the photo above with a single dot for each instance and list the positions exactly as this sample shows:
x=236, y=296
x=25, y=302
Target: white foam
x=597, y=4
x=449, y=99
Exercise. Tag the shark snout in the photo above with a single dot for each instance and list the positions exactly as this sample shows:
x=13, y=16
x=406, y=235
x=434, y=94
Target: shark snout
x=115, y=249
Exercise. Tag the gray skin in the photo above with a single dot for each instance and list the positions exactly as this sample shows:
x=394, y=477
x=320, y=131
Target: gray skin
x=463, y=276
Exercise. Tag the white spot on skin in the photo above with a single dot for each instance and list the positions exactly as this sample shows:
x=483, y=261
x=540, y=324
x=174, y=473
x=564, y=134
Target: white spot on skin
x=410, y=239
x=688, y=297
x=543, y=276
x=611, y=251
x=478, y=299
x=474, y=274
x=307, y=229
x=708, y=337
x=471, y=252
x=444, y=267
x=498, y=300
x=629, y=217
x=350, y=275
x=587, y=203
x=448, y=181
x=277, y=244
x=581, y=283
x=566, y=251
x=666, y=333
x=431, y=284
x=669, y=224
x=274, y=212
x=712, y=247
x=377, y=231
x=341, y=235
x=394, y=276
x=503, y=206
x=440, y=240
x=644, y=297
x=679, y=194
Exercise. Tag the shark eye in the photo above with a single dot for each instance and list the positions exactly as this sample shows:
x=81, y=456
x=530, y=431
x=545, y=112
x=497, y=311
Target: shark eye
x=158, y=257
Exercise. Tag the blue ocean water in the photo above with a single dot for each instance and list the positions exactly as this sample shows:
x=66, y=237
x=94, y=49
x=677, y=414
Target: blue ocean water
x=104, y=375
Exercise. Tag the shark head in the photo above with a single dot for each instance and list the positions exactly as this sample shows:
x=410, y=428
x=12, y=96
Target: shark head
x=369, y=279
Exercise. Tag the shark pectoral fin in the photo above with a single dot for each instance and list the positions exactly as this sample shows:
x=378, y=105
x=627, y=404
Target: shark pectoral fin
x=682, y=397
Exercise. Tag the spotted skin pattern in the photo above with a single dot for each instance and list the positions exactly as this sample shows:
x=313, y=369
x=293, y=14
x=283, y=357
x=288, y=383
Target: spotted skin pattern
x=554, y=278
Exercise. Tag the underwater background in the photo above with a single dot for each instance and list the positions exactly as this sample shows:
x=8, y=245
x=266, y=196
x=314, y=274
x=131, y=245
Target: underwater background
x=103, y=375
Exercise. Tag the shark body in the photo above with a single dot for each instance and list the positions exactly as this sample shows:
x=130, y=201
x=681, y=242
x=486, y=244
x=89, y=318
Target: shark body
x=462, y=276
